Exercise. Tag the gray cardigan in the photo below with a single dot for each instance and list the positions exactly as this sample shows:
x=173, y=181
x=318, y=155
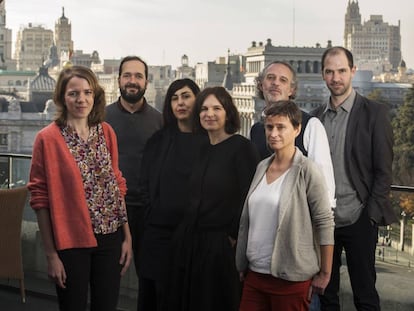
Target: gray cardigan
x=305, y=221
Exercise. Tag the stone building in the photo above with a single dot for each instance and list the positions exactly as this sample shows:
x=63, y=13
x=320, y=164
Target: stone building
x=35, y=44
x=16, y=82
x=213, y=73
x=185, y=71
x=159, y=79
x=375, y=44
x=401, y=76
x=6, y=61
x=63, y=35
x=209, y=74
x=312, y=90
x=32, y=46
x=78, y=57
x=21, y=119
x=19, y=123
x=305, y=60
x=41, y=89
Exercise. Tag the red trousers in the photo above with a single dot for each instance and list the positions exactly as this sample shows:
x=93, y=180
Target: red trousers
x=264, y=292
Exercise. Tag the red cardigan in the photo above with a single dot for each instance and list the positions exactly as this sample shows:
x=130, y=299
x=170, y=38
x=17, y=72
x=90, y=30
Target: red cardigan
x=56, y=183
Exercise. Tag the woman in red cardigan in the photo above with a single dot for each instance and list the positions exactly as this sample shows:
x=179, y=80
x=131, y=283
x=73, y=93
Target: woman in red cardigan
x=77, y=191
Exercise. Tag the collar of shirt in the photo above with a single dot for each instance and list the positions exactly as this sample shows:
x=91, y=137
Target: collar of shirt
x=346, y=105
x=144, y=105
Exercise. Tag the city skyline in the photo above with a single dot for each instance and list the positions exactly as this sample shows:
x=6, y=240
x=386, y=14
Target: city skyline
x=203, y=31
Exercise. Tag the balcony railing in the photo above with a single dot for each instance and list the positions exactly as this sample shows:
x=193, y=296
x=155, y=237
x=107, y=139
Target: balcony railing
x=395, y=242
x=14, y=172
x=14, y=169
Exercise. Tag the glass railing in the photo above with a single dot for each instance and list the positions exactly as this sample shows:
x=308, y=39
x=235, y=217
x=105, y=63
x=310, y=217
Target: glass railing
x=14, y=172
x=14, y=169
x=396, y=240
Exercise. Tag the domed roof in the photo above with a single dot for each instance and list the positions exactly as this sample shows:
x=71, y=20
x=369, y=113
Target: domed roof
x=43, y=82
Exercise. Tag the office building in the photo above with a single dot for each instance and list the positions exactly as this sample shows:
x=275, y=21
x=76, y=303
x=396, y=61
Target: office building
x=375, y=44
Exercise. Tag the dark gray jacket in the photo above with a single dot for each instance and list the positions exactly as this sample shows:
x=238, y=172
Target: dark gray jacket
x=368, y=156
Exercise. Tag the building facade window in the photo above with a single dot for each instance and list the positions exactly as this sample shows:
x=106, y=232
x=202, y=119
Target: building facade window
x=3, y=139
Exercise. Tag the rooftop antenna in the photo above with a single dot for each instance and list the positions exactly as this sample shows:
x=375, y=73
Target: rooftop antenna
x=294, y=24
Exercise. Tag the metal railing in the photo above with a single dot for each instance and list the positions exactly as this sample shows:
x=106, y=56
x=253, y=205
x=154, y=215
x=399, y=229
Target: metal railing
x=402, y=188
x=14, y=169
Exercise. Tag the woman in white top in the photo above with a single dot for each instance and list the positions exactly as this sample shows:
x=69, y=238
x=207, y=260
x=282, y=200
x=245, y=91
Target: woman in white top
x=285, y=241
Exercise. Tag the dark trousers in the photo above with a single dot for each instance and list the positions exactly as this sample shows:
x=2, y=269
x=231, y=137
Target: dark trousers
x=96, y=267
x=359, y=242
x=155, y=264
x=151, y=295
x=136, y=217
x=136, y=221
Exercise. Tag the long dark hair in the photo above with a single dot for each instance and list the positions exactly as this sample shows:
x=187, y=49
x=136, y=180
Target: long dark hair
x=169, y=118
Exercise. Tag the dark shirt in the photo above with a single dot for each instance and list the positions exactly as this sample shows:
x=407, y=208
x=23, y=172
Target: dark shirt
x=132, y=131
x=174, y=181
x=220, y=183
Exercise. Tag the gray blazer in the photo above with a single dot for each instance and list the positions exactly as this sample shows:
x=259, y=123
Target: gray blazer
x=305, y=221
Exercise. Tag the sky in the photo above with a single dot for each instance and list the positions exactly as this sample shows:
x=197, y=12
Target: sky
x=161, y=31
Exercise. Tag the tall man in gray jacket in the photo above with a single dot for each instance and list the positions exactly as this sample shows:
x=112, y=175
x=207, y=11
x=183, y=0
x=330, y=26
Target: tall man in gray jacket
x=361, y=141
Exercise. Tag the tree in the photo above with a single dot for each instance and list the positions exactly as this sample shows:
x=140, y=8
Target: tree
x=376, y=95
x=407, y=203
x=403, y=126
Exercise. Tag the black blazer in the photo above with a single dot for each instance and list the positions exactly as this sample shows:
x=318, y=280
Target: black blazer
x=368, y=155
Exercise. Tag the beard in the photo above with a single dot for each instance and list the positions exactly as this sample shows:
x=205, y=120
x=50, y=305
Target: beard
x=339, y=89
x=132, y=98
x=273, y=98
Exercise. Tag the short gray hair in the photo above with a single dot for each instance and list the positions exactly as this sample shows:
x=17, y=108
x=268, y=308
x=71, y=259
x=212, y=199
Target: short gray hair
x=259, y=79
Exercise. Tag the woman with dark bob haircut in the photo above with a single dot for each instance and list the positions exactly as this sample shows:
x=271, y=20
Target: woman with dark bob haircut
x=232, y=124
x=204, y=272
x=77, y=191
x=164, y=189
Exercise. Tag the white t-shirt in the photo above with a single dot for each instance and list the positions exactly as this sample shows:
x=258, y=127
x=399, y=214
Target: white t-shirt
x=263, y=220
